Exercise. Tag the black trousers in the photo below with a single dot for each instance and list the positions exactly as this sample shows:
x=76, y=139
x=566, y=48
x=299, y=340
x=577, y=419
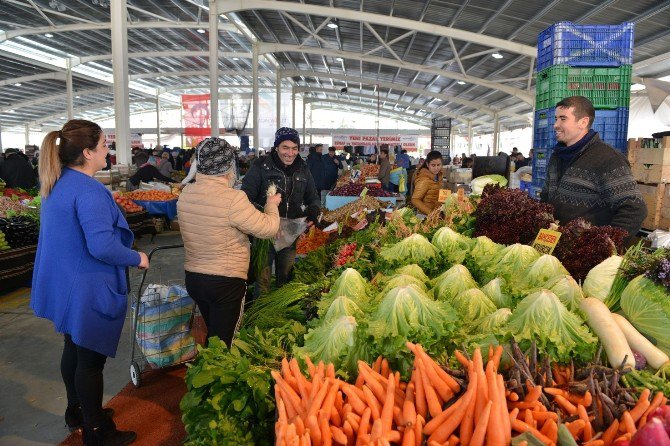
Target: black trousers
x=81, y=370
x=221, y=302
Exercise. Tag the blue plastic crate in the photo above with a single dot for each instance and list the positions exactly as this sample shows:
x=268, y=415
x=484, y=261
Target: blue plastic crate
x=534, y=192
x=525, y=185
x=611, y=125
x=585, y=45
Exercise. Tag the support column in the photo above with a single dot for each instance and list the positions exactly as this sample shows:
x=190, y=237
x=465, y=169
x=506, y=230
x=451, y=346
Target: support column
x=27, y=134
x=254, y=92
x=119, y=14
x=304, y=116
x=311, y=126
x=158, y=119
x=496, y=134
x=1, y=150
x=470, y=137
x=278, y=91
x=293, y=107
x=68, y=88
x=214, y=67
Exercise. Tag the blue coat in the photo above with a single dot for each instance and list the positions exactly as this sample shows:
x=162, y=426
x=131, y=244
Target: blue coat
x=330, y=167
x=79, y=281
x=315, y=164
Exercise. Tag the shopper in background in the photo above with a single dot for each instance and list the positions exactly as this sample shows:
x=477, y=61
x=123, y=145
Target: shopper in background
x=331, y=165
x=586, y=177
x=384, y=168
x=215, y=219
x=402, y=160
x=147, y=171
x=427, y=184
x=165, y=166
x=286, y=170
x=16, y=170
x=79, y=280
x=315, y=163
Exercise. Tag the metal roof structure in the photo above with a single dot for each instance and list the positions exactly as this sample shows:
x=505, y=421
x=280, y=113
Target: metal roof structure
x=471, y=60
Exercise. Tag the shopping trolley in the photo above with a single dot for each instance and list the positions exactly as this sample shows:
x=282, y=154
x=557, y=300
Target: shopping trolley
x=163, y=318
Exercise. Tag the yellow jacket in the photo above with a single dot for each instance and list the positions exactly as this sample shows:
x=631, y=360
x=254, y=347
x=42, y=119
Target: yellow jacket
x=215, y=219
x=426, y=191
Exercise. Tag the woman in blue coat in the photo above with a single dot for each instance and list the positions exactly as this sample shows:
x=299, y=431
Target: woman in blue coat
x=79, y=280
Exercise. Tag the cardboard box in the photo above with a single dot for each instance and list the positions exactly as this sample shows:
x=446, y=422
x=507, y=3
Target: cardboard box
x=651, y=173
x=657, y=199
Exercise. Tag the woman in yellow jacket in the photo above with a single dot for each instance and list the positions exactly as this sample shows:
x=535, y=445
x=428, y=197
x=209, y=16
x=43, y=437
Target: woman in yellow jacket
x=215, y=219
x=427, y=183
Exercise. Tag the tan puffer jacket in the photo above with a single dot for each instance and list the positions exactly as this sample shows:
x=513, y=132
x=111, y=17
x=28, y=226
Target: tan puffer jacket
x=215, y=220
x=426, y=191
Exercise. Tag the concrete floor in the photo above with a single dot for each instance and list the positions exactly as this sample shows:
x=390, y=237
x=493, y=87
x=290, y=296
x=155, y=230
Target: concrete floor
x=32, y=395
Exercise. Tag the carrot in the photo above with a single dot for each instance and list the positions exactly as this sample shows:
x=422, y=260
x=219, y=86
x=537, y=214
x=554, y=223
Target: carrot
x=326, y=436
x=534, y=392
x=314, y=430
x=289, y=394
x=336, y=415
x=550, y=430
x=430, y=375
x=387, y=408
x=628, y=423
x=495, y=427
x=566, y=405
x=544, y=416
x=393, y=436
x=460, y=357
x=299, y=426
x=377, y=365
x=624, y=437
x=280, y=432
x=642, y=405
x=338, y=436
x=419, y=396
x=454, y=440
x=360, y=380
x=372, y=380
x=408, y=407
x=418, y=429
x=353, y=422
x=502, y=410
x=522, y=427
x=588, y=429
x=285, y=370
x=513, y=414
x=447, y=427
x=467, y=425
x=310, y=366
x=655, y=403
x=497, y=355
x=528, y=418
x=441, y=374
x=597, y=442
x=354, y=399
x=364, y=425
x=349, y=432
x=301, y=381
x=553, y=391
x=434, y=404
x=384, y=370
x=576, y=428
x=490, y=356
x=408, y=438
x=447, y=413
x=513, y=396
x=373, y=403
x=482, y=426
x=317, y=402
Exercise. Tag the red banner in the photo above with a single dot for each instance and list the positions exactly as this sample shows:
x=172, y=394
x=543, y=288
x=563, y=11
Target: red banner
x=196, y=114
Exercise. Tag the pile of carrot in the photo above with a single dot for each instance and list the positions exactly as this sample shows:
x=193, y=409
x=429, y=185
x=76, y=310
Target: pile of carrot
x=432, y=408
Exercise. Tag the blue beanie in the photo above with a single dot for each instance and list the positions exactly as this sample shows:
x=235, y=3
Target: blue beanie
x=286, y=134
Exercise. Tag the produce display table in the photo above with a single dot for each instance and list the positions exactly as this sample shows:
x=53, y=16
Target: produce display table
x=141, y=223
x=16, y=267
x=162, y=208
x=334, y=201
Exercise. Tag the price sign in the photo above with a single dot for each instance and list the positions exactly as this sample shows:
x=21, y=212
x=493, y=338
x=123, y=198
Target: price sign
x=444, y=194
x=546, y=241
x=364, y=192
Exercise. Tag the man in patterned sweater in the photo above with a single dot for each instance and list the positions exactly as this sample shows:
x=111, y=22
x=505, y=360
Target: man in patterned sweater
x=587, y=177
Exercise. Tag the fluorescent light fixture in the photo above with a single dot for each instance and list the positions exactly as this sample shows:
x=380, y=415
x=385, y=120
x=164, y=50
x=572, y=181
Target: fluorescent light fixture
x=201, y=31
x=460, y=83
x=236, y=58
x=62, y=117
x=18, y=84
x=332, y=25
x=10, y=111
x=339, y=59
x=77, y=97
x=49, y=35
x=637, y=87
x=497, y=56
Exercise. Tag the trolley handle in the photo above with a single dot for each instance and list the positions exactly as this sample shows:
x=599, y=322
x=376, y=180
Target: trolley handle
x=151, y=253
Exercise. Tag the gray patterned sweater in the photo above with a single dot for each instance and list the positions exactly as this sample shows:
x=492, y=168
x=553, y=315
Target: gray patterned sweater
x=598, y=185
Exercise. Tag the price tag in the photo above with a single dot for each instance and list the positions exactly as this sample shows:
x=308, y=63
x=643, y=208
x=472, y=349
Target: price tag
x=364, y=192
x=444, y=194
x=461, y=194
x=546, y=241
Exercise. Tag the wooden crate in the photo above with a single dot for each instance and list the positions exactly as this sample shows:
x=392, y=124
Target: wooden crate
x=657, y=199
x=651, y=173
x=650, y=165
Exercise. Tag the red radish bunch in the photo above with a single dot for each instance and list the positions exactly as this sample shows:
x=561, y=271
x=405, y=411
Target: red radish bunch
x=345, y=254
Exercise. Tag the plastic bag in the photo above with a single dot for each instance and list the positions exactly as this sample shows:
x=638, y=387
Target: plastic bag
x=289, y=230
x=659, y=239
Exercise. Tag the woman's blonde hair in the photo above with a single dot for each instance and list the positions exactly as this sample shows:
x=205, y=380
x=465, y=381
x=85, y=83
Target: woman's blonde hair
x=65, y=147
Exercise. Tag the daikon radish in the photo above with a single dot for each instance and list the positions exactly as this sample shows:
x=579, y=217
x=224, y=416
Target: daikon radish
x=638, y=342
x=600, y=319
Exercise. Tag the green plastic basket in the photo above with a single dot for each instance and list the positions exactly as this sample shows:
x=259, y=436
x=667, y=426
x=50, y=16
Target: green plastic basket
x=607, y=88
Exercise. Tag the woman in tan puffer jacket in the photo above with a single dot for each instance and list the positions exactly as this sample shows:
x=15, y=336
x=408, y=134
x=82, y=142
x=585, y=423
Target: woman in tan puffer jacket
x=427, y=184
x=215, y=220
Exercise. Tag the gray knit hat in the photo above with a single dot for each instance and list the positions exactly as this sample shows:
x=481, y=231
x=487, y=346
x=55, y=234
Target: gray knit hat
x=214, y=156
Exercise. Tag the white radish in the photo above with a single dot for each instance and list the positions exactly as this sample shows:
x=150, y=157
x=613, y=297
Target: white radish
x=600, y=319
x=638, y=342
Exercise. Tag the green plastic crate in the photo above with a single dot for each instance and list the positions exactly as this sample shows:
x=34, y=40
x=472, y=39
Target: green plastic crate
x=607, y=88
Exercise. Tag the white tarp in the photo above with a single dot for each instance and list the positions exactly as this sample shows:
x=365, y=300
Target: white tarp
x=642, y=121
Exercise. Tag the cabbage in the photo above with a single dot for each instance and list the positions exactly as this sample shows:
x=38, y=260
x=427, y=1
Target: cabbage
x=481, y=255
x=414, y=249
x=472, y=305
x=494, y=291
x=402, y=280
x=413, y=270
x=451, y=244
x=329, y=342
x=512, y=261
x=350, y=284
x=494, y=321
x=647, y=307
x=477, y=185
x=539, y=272
x=541, y=317
x=567, y=290
x=452, y=282
x=341, y=306
x=599, y=280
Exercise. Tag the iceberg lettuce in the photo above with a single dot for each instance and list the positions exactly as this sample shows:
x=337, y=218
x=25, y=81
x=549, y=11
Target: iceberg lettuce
x=413, y=270
x=496, y=291
x=414, y=249
x=452, y=245
x=647, y=307
x=452, y=282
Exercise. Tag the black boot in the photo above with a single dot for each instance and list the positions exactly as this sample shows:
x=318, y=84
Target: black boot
x=74, y=418
x=106, y=434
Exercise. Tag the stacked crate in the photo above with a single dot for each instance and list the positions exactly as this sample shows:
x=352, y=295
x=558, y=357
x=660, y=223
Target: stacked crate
x=650, y=163
x=440, y=137
x=581, y=60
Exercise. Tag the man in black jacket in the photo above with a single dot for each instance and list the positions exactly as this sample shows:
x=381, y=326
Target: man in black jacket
x=16, y=170
x=284, y=168
x=588, y=178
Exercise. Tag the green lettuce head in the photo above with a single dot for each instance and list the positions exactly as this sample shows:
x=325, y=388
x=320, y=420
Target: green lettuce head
x=329, y=342
x=496, y=291
x=341, y=306
x=512, y=261
x=414, y=249
x=495, y=321
x=599, y=280
x=452, y=282
x=350, y=284
x=481, y=256
x=402, y=280
x=413, y=270
x=472, y=305
x=451, y=244
x=647, y=307
x=541, y=270
x=567, y=290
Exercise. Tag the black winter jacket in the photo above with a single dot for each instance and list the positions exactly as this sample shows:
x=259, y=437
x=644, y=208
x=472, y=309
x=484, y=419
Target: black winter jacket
x=299, y=197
